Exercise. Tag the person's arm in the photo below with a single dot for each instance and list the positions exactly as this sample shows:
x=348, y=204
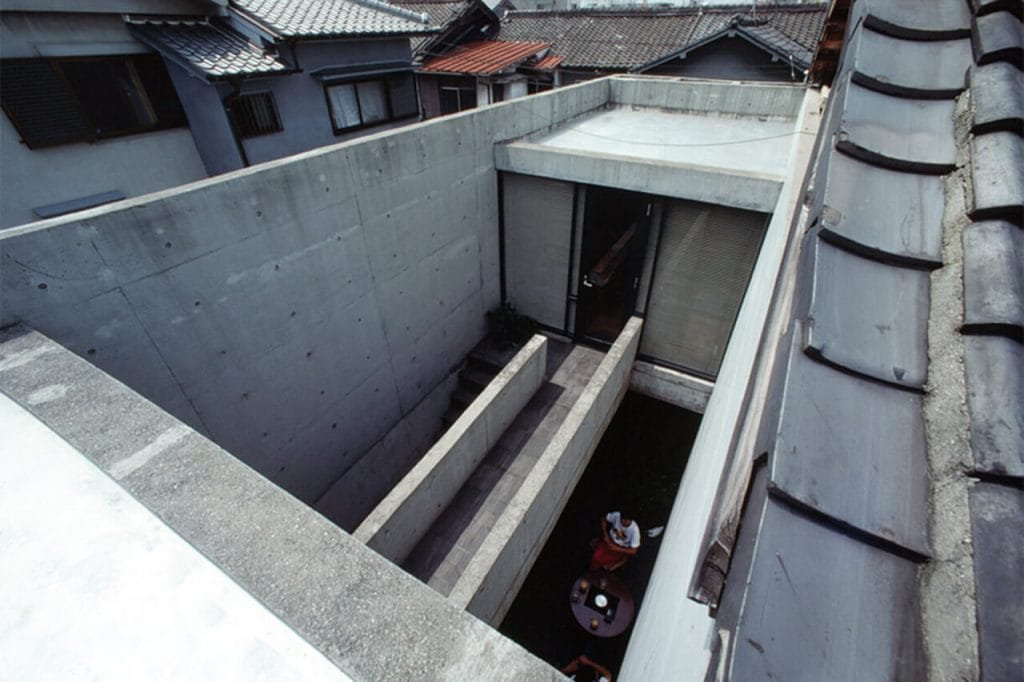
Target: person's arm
x=598, y=668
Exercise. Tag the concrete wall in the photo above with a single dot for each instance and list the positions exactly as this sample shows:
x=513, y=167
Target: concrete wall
x=295, y=312
x=371, y=619
x=395, y=526
x=497, y=571
x=773, y=100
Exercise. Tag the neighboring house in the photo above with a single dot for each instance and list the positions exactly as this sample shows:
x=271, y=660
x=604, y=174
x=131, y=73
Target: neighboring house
x=773, y=43
x=277, y=77
x=240, y=82
x=461, y=21
x=91, y=115
x=485, y=72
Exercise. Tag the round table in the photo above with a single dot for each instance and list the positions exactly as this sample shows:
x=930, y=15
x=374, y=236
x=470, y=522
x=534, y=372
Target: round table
x=619, y=608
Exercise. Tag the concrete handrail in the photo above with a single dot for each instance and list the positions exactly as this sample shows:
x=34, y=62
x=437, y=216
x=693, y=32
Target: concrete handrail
x=395, y=526
x=499, y=567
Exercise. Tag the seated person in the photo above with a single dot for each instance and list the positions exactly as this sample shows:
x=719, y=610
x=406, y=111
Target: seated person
x=620, y=540
x=582, y=668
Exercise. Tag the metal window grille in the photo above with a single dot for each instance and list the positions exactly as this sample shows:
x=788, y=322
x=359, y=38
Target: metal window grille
x=255, y=114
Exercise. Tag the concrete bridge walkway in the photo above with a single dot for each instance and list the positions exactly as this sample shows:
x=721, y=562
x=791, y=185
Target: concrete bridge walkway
x=441, y=557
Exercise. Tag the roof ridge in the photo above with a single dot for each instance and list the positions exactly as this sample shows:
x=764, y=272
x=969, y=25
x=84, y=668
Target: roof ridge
x=392, y=9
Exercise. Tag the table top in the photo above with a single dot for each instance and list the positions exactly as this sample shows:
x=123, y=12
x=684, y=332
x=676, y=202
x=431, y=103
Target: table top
x=618, y=608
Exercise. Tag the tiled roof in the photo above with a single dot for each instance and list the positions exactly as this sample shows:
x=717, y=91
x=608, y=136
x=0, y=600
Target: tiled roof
x=331, y=18
x=212, y=50
x=484, y=57
x=633, y=39
x=550, y=62
x=841, y=529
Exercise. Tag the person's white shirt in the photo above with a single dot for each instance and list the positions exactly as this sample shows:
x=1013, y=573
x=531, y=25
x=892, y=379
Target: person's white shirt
x=623, y=536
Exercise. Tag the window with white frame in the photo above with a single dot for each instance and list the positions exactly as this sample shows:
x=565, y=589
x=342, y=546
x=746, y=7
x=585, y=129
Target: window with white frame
x=364, y=103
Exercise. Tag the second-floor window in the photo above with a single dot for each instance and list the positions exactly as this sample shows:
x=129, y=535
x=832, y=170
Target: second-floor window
x=370, y=102
x=255, y=114
x=84, y=99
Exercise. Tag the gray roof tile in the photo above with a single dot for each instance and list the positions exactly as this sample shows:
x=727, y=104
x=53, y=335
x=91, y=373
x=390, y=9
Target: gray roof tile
x=996, y=513
x=913, y=135
x=332, y=18
x=910, y=68
x=857, y=321
x=838, y=609
x=210, y=49
x=883, y=213
x=998, y=37
x=997, y=93
x=630, y=39
x=987, y=6
x=854, y=450
x=918, y=19
x=997, y=175
x=995, y=400
x=994, y=278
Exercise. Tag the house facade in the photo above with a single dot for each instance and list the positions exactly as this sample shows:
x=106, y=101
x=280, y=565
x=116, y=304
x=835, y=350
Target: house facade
x=201, y=88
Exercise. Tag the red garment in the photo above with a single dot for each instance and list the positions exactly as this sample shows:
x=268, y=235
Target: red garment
x=605, y=558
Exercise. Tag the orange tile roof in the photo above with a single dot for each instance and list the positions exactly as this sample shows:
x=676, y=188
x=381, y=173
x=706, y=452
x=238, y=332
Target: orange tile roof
x=484, y=57
x=548, y=63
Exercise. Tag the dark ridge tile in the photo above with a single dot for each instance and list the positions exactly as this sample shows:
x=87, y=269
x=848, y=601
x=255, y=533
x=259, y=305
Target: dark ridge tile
x=997, y=174
x=837, y=609
x=1015, y=7
x=994, y=277
x=997, y=92
x=913, y=135
x=932, y=69
x=919, y=19
x=995, y=400
x=997, y=37
x=996, y=514
x=854, y=450
x=881, y=213
x=868, y=317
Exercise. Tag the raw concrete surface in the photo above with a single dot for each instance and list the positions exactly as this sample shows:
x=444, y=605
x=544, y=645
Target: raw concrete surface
x=443, y=554
x=398, y=523
x=296, y=311
x=498, y=568
x=729, y=425
x=670, y=386
x=97, y=587
x=369, y=618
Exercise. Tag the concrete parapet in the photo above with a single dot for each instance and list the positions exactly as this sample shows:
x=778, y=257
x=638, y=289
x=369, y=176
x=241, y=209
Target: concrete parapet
x=497, y=570
x=713, y=96
x=670, y=386
x=749, y=191
x=395, y=526
x=368, y=617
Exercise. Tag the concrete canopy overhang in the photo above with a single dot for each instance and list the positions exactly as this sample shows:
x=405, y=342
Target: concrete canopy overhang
x=728, y=159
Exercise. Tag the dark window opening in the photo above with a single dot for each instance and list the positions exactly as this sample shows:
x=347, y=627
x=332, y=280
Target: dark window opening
x=364, y=103
x=535, y=85
x=60, y=101
x=255, y=114
x=456, y=99
x=497, y=92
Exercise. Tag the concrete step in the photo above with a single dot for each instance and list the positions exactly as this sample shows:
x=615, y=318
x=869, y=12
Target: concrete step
x=476, y=375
